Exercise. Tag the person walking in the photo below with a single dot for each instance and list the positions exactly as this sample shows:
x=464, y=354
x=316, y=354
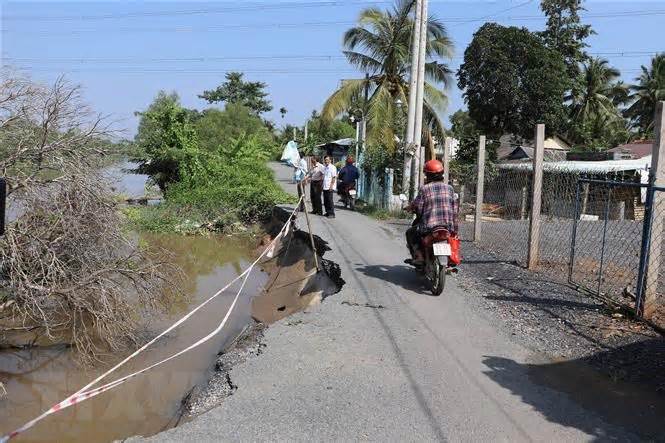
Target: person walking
x=329, y=186
x=315, y=177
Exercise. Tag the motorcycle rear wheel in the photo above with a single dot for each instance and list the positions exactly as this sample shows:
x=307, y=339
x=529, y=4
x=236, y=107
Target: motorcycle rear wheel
x=437, y=277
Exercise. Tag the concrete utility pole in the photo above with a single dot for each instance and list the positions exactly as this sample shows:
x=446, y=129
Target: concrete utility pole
x=418, y=129
x=413, y=87
x=294, y=134
x=658, y=207
x=536, y=198
x=306, y=125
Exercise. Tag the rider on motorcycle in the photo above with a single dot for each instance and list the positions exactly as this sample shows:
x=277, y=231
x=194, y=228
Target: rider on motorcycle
x=347, y=177
x=435, y=206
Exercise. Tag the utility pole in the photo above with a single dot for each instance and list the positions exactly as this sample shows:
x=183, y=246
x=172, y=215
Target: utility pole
x=294, y=133
x=413, y=86
x=306, y=127
x=418, y=129
x=536, y=198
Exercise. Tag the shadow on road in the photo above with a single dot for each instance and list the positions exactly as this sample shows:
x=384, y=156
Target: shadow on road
x=399, y=275
x=635, y=407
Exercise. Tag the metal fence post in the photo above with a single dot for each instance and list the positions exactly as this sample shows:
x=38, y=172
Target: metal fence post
x=446, y=160
x=480, y=184
x=536, y=198
x=658, y=203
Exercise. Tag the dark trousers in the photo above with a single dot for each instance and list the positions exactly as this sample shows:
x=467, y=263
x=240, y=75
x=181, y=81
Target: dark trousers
x=328, y=201
x=315, y=190
x=413, y=239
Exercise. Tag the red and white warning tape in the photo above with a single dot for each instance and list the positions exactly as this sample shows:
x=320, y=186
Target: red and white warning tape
x=86, y=393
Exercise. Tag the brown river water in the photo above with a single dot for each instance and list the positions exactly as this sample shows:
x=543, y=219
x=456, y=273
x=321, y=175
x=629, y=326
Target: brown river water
x=37, y=378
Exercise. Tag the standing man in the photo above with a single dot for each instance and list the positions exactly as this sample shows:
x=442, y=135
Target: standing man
x=329, y=186
x=316, y=185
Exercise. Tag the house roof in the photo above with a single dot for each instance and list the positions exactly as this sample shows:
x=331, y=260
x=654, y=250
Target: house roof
x=346, y=142
x=642, y=164
x=638, y=149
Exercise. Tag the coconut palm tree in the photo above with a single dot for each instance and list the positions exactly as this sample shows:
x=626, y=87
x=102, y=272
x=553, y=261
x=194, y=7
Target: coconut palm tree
x=595, y=97
x=380, y=46
x=646, y=94
x=594, y=103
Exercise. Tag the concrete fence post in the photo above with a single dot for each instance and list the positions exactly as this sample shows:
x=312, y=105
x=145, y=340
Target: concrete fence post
x=536, y=197
x=446, y=160
x=480, y=185
x=656, y=240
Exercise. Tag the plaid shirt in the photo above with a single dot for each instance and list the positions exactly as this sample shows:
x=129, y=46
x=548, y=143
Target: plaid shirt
x=436, y=206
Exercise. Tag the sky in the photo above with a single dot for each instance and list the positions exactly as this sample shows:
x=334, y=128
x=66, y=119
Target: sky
x=123, y=53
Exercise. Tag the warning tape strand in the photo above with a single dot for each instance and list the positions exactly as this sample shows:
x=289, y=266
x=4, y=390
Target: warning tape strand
x=85, y=393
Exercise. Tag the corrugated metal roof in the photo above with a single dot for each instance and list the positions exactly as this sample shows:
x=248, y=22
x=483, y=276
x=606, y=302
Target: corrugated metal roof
x=641, y=164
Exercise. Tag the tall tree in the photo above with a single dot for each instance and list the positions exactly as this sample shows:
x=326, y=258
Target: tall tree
x=565, y=32
x=170, y=143
x=236, y=90
x=649, y=90
x=593, y=107
x=512, y=82
x=283, y=111
x=379, y=45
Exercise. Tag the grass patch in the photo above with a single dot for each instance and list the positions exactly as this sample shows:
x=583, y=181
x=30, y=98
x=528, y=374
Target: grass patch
x=381, y=214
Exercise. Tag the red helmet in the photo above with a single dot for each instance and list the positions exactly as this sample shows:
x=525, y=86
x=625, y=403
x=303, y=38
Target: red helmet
x=434, y=167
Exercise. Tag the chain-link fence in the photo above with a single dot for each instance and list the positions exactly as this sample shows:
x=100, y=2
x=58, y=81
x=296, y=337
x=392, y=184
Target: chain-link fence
x=591, y=224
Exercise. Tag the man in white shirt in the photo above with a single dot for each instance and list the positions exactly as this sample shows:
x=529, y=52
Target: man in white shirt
x=315, y=178
x=329, y=186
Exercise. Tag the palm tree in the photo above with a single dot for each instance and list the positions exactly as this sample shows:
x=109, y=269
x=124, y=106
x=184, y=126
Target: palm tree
x=646, y=94
x=283, y=111
x=379, y=45
x=595, y=98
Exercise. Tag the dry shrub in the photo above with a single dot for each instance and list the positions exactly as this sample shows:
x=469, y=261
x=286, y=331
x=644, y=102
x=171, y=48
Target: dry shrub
x=67, y=270
x=70, y=270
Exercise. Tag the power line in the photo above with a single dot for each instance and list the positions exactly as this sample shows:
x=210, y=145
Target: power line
x=455, y=21
x=255, y=7
x=204, y=59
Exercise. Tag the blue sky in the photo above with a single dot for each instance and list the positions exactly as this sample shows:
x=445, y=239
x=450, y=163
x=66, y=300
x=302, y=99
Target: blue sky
x=123, y=53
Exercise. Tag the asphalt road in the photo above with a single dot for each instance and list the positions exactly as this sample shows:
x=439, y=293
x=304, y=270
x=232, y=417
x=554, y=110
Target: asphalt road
x=412, y=367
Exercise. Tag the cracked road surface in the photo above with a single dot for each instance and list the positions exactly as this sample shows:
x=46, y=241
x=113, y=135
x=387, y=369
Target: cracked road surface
x=420, y=368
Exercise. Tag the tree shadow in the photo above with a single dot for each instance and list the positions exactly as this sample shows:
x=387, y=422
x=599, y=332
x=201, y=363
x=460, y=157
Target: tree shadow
x=403, y=276
x=631, y=405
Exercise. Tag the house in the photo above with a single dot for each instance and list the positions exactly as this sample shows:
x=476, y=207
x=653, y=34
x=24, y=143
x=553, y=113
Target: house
x=337, y=149
x=560, y=186
x=635, y=150
x=509, y=150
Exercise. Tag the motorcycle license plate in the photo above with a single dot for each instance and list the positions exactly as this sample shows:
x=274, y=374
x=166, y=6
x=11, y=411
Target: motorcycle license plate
x=441, y=249
x=352, y=192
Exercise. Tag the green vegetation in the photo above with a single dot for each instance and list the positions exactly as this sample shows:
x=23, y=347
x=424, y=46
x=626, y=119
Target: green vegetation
x=237, y=91
x=381, y=214
x=380, y=45
x=566, y=34
x=512, y=82
x=211, y=167
x=649, y=90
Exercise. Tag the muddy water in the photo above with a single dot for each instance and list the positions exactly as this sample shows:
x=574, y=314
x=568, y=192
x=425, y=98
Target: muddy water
x=36, y=379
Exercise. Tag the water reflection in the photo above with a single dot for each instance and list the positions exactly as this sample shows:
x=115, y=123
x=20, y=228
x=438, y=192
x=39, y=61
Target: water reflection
x=37, y=378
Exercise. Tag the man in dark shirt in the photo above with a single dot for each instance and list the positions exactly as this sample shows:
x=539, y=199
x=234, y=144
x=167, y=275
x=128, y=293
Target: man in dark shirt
x=348, y=176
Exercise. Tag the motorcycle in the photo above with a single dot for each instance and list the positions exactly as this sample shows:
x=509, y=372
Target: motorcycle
x=347, y=193
x=436, y=250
